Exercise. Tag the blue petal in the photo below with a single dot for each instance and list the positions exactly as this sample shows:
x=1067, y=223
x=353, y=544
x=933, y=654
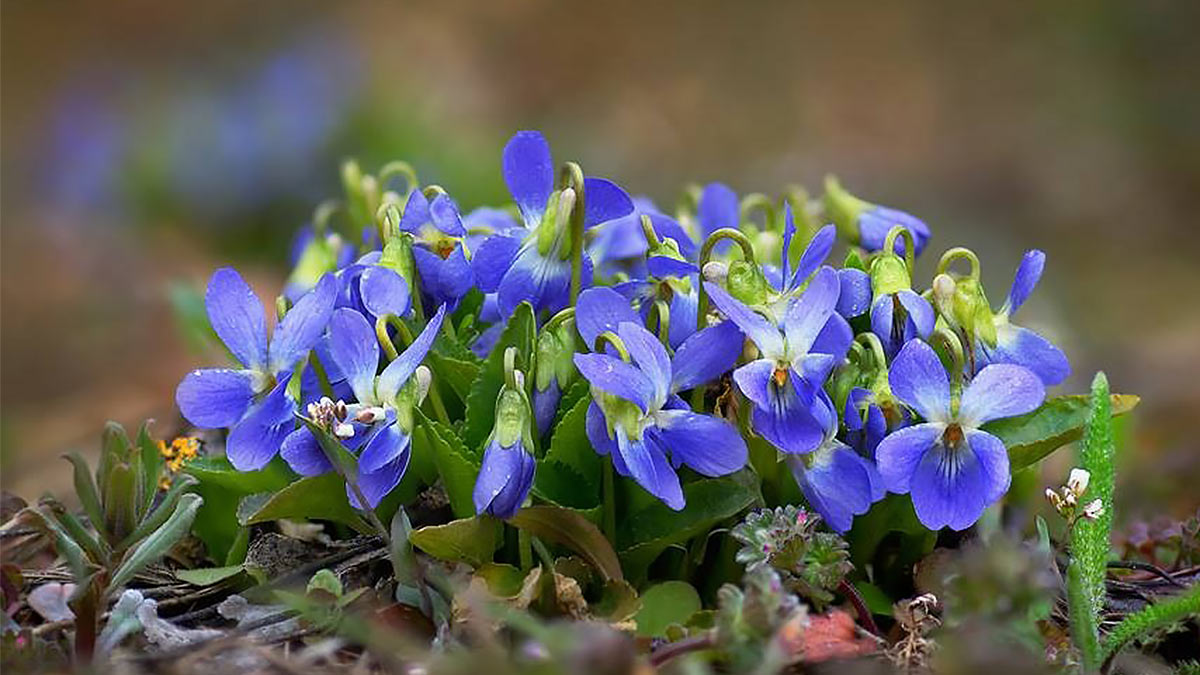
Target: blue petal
x=604, y=200
x=416, y=212
x=303, y=453
x=619, y=239
x=355, y=349
x=787, y=424
x=705, y=356
x=504, y=480
x=650, y=356
x=920, y=314
x=444, y=215
x=1024, y=347
x=875, y=223
x=303, y=325
x=545, y=405
x=837, y=485
x=899, y=454
x=529, y=173
x=376, y=485
x=1026, y=279
x=993, y=462
x=661, y=267
x=710, y=446
x=789, y=231
x=669, y=228
x=492, y=259
x=814, y=254
x=918, y=379
x=718, y=207
x=809, y=313
x=543, y=282
x=949, y=488
x=684, y=307
x=648, y=466
x=614, y=376
x=254, y=441
x=446, y=280
x=815, y=368
x=754, y=381
x=215, y=398
x=601, y=309
x=384, y=292
x=597, y=431
x=998, y=391
x=834, y=339
x=385, y=445
x=397, y=372
x=487, y=340
x=762, y=332
x=855, y=297
x=236, y=314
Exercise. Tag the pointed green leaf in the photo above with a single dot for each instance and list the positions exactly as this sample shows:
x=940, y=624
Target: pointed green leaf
x=66, y=547
x=1059, y=421
x=457, y=373
x=569, y=528
x=165, y=508
x=457, y=467
x=315, y=498
x=209, y=576
x=120, y=493
x=85, y=488
x=468, y=540
x=151, y=467
x=569, y=472
x=222, y=488
x=160, y=541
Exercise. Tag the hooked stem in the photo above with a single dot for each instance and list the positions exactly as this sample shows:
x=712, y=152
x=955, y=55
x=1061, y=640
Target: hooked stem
x=399, y=169
x=660, y=315
x=706, y=250
x=954, y=348
x=910, y=247
x=652, y=239
x=958, y=252
x=609, y=337
x=871, y=342
x=756, y=201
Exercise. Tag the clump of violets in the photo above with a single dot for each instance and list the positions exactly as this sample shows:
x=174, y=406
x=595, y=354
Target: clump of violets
x=685, y=343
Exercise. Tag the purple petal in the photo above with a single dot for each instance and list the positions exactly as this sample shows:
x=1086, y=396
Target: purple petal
x=993, y=461
x=543, y=282
x=918, y=379
x=492, y=259
x=529, y=173
x=834, y=339
x=597, y=431
x=1000, y=390
x=710, y=446
x=706, y=355
x=215, y=398
x=604, y=200
x=385, y=445
x=303, y=325
x=662, y=267
x=236, y=314
x=416, y=212
x=444, y=215
x=648, y=466
x=650, y=356
x=545, y=405
x=754, y=381
x=809, y=313
x=787, y=422
x=447, y=279
x=669, y=228
x=755, y=326
x=837, y=485
x=815, y=368
x=1023, y=347
x=355, y=349
x=855, y=297
x=814, y=254
x=952, y=486
x=1028, y=274
x=376, y=485
x=614, y=376
x=397, y=372
x=601, y=309
x=718, y=207
x=683, y=316
x=920, y=313
x=875, y=223
x=254, y=441
x=899, y=454
x=384, y=292
x=303, y=453
x=504, y=480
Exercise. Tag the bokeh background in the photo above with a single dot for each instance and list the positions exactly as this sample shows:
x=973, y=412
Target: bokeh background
x=145, y=143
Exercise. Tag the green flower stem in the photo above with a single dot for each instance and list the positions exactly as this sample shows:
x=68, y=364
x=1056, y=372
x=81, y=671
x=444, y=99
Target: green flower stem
x=874, y=347
x=325, y=212
x=910, y=247
x=543, y=554
x=954, y=348
x=609, y=337
x=387, y=218
x=402, y=170
x=322, y=376
x=648, y=231
x=435, y=397
x=660, y=315
x=385, y=340
x=756, y=201
x=571, y=176
x=959, y=253
x=555, y=321
x=706, y=250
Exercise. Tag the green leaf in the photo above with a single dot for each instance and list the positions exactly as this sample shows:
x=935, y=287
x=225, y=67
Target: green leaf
x=481, y=401
x=209, y=576
x=645, y=534
x=120, y=512
x=114, y=450
x=85, y=488
x=503, y=581
x=218, y=471
x=468, y=540
x=893, y=513
x=151, y=466
x=459, y=374
x=317, y=497
x=66, y=547
x=222, y=488
x=569, y=528
x=161, y=512
x=160, y=541
x=457, y=467
x=569, y=472
x=671, y=602
x=326, y=581
x=1059, y=421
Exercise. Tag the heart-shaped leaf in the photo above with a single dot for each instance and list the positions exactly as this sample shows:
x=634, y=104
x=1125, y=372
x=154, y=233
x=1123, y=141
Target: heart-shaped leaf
x=1059, y=421
x=468, y=540
x=671, y=602
x=317, y=498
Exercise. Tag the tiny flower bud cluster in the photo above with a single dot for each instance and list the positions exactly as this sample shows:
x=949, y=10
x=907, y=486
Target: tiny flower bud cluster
x=1066, y=500
x=331, y=415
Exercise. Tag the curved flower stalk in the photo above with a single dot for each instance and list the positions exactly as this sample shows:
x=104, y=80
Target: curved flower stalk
x=508, y=466
x=670, y=279
x=952, y=469
x=380, y=421
x=534, y=265
x=253, y=400
x=438, y=238
x=1021, y=346
x=638, y=419
x=313, y=256
x=797, y=352
x=621, y=244
x=898, y=313
x=836, y=480
x=867, y=225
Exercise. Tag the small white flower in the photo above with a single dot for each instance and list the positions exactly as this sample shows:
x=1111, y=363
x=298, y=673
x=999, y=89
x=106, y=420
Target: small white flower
x=1077, y=483
x=1093, y=510
x=1055, y=500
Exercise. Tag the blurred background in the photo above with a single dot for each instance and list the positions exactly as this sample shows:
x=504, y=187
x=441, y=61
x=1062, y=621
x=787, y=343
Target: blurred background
x=145, y=143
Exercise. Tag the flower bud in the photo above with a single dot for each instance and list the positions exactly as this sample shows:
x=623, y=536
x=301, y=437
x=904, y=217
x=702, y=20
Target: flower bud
x=716, y=271
x=424, y=379
x=747, y=283
x=1093, y=510
x=1077, y=483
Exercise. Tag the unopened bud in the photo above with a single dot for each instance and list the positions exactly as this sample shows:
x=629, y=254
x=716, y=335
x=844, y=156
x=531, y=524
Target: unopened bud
x=716, y=271
x=1055, y=500
x=370, y=415
x=424, y=380
x=1093, y=510
x=1077, y=483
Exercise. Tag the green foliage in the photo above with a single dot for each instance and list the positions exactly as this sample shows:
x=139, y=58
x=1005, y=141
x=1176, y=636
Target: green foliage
x=568, y=474
x=1059, y=421
x=1089, y=544
x=665, y=604
x=570, y=529
x=223, y=488
x=456, y=465
x=748, y=619
x=314, y=498
x=469, y=540
x=520, y=332
x=811, y=563
x=1154, y=617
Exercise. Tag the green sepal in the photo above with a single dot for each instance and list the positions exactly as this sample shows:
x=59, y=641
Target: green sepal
x=747, y=283
x=889, y=274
